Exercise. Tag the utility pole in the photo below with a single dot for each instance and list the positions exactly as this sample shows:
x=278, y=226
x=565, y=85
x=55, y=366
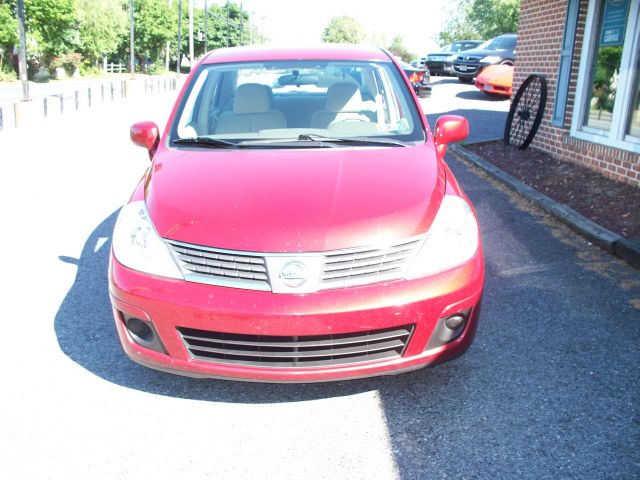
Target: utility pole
x=179, y=37
x=168, y=50
x=22, y=54
x=131, y=28
x=191, y=49
x=241, y=26
x=206, y=27
x=253, y=14
x=227, y=23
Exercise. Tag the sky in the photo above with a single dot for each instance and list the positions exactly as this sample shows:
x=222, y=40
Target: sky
x=302, y=22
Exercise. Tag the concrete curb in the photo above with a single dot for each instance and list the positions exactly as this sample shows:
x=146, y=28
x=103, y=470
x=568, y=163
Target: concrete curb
x=627, y=249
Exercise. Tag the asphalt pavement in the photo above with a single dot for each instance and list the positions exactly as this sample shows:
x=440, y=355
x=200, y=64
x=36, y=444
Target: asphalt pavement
x=549, y=389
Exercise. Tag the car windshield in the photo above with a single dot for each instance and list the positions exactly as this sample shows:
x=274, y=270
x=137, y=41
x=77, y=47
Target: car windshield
x=259, y=103
x=499, y=43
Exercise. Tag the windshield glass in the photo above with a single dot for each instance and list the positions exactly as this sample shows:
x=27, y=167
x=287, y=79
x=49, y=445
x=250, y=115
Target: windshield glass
x=499, y=43
x=245, y=102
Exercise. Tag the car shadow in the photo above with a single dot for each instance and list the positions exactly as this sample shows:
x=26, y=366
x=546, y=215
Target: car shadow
x=85, y=330
x=444, y=80
x=478, y=95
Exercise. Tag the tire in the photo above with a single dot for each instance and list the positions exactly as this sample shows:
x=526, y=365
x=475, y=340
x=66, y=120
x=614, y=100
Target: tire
x=526, y=112
x=465, y=80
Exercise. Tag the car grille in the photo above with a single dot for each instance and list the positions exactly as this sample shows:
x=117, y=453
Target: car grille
x=465, y=68
x=340, y=268
x=221, y=267
x=363, y=266
x=296, y=351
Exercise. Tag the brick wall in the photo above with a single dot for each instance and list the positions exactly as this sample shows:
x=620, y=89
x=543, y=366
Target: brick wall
x=538, y=51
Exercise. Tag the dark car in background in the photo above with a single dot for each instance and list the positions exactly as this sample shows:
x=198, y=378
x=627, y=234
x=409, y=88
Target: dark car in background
x=420, y=78
x=500, y=50
x=441, y=63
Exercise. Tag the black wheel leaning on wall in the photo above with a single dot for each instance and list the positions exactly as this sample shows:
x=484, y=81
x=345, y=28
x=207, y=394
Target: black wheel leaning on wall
x=526, y=112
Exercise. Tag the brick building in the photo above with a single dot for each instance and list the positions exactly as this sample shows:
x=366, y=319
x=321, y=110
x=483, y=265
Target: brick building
x=588, y=50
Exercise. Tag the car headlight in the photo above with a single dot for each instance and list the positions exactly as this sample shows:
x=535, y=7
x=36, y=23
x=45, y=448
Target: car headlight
x=137, y=245
x=451, y=240
x=490, y=59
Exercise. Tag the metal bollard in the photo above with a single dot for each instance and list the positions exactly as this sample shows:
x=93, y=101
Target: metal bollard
x=77, y=98
x=46, y=112
x=1, y=120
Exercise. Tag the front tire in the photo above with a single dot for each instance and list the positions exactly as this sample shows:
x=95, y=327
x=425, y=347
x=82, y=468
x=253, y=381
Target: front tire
x=465, y=80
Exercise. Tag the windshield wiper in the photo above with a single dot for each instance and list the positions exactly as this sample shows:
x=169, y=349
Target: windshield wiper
x=287, y=143
x=206, y=142
x=363, y=141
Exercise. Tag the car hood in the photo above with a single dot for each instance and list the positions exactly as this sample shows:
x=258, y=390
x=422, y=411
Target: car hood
x=295, y=200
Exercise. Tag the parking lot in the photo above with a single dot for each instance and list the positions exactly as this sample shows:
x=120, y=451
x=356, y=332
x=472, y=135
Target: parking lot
x=549, y=389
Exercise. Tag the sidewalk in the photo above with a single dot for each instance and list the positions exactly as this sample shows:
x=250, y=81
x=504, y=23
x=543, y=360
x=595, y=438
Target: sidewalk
x=54, y=99
x=625, y=248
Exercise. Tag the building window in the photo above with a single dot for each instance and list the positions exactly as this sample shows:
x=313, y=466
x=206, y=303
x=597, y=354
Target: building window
x=607, y=96
x=634, y=116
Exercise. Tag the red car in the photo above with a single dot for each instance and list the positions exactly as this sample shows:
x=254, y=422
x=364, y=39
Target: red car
x=297, y=223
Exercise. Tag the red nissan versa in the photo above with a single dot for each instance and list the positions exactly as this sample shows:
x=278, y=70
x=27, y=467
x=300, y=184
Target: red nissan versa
x=297, y=223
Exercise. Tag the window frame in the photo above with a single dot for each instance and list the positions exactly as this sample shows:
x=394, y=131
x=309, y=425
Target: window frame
x=616, y=137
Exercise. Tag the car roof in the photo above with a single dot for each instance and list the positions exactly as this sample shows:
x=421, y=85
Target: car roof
x=325, y=51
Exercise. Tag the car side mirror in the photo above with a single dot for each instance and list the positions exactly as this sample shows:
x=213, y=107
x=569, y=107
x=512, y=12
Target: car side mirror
x=146, y=135
x=449, y=128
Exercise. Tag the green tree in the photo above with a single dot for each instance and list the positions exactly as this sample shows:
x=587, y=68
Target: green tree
x=155, y=24
x=483, y=19
x=102, y=27
x=344, y=29
x=491, y=18
x=398, y=48
x=224, y=27
x=8, y=32
x=50, y=27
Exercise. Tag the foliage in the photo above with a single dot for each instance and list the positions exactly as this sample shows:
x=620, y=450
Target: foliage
x=344, y=29
x=480, y=19
x=8, y=25
x=491, y=18
x=8, y=74
x=69, y=61
x=155, y=24
x=398, y=48
x=96, y=28
x=607, y=62
x=102, y=26
x=51, y=26
x=8, y=33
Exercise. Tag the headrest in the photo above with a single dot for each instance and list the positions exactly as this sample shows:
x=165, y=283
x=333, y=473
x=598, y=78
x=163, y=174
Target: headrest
x=252, y=98
x=344, y=96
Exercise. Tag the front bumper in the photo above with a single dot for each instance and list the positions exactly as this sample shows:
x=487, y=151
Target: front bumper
x=172, y=306
x=467, y=70
x=440, y=68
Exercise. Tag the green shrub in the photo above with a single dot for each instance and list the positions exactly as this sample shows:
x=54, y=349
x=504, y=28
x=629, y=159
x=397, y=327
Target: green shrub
x=8, y=74
x=69, y=61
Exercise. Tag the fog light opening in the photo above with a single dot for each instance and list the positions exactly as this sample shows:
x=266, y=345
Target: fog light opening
x=140, y=330
x=451, y=327
x=143, y=333
x=454, y=322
